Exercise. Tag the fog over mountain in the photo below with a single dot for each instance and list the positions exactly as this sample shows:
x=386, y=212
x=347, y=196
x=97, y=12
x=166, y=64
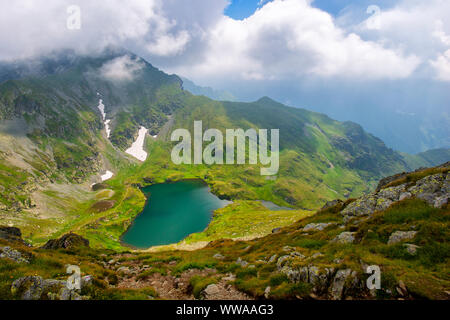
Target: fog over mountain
x=386, y=67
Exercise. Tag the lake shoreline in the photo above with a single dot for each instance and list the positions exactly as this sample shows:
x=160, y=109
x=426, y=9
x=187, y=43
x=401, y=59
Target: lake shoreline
x=147, y=195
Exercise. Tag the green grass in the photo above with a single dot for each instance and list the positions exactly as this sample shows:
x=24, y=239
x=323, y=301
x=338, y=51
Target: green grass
x=199, y=283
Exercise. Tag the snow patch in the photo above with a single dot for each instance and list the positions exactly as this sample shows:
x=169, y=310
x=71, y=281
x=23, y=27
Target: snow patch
x=108, y=130
x=106, y=122
x=108, y=175
x=137, y=148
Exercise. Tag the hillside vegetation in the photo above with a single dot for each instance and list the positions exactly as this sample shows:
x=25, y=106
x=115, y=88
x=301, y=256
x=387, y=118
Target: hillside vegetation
x=405, y=233
x=53, y=146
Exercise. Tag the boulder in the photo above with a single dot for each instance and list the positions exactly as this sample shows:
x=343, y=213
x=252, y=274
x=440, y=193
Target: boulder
x=439, y=202
x=399, y=236
x=345, y=237
x=218, y=256
x=9, y=253
x=405, y=195
x=337, y=286
x=210, y=292
x=316, y=226
x=36, y=288
x=67, y=241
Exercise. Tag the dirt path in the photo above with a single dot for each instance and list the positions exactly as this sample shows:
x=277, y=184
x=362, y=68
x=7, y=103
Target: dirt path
x=170, y=287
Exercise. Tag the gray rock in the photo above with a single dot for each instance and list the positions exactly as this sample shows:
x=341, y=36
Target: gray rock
x=28, y=288
x=317, y=255
x=297, y=254
x=9, y=253
x=272, y=258
x=345, y=237
x=411, y=248
x=439, y=202
x=316, y=226
x=282, y=261
x=332, y=203
x=210, y=291
x=337, y=286
x=218, y=256
x=399, y=236
x=391, y=193
x=276, y=230
x=36, y=288
x=124, y=269
x=361, y=207
x=241, y=262
x=405, y=195
x=267, y=293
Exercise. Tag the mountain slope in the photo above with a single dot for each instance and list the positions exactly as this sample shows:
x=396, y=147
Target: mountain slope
x=54, y=145
x=323, y=256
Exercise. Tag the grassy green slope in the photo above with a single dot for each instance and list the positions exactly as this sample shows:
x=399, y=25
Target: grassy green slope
x=320, y=159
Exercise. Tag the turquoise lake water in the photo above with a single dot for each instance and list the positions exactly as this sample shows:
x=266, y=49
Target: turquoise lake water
x=172, y=212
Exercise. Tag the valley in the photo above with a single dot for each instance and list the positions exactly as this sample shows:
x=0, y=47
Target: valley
x=67, y=130
x=84, y=154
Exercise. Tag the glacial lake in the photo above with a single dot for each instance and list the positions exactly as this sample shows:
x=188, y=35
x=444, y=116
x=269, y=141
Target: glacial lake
x=172, y=212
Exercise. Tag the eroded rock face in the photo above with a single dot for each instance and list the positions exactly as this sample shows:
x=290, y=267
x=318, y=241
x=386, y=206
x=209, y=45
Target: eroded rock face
x=434, y=189
x=67, y=241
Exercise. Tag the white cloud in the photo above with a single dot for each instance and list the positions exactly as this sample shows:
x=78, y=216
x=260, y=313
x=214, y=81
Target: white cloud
x=122, y=68
x=442, y=66
x=40, y=26
x=281, y=40
x=169, y=45
x=290, y=38
x=421, y=28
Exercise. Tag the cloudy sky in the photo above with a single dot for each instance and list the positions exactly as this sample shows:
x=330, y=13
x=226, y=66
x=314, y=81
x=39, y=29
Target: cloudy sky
x=297, y=51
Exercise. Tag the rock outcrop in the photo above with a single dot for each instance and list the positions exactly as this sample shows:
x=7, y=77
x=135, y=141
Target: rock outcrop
x=327, y=282
x=37, y=288
x=67, y=241
x=434, y=189
x=16, y=256
x=399, y=236
x=11, y=234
